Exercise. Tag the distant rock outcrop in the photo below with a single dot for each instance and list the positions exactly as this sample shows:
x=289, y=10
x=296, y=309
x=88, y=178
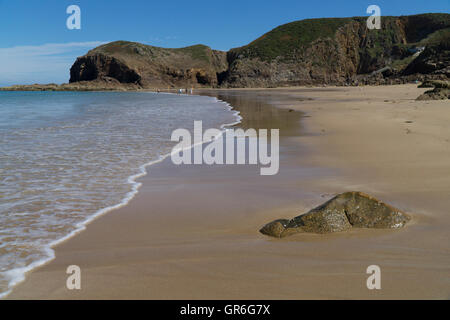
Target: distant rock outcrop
x=144, y=66
x=441, y=90
x=347, y=210
x=106, y=84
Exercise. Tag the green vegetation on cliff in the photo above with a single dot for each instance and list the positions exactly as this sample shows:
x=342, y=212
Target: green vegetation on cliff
x=290, y=37
x=197, y=52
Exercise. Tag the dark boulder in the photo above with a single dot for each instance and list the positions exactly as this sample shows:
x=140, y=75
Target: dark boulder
x=441, y=90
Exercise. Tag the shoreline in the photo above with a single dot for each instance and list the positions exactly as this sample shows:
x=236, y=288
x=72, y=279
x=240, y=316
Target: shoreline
x=81, y=226
x=48, y=281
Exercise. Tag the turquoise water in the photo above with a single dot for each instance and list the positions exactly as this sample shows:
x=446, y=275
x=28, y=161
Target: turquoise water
x=68, y=157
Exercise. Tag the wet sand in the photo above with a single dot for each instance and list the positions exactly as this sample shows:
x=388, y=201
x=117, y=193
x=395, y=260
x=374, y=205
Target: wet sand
x=192, y=231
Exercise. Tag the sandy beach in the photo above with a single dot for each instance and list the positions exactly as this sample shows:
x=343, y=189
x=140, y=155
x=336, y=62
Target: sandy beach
x=192, y=231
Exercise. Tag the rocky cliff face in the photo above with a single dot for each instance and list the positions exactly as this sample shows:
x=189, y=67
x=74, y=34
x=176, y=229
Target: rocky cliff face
x=316, y=51
x=146, y=66
x=101, y=66
x=340, y=51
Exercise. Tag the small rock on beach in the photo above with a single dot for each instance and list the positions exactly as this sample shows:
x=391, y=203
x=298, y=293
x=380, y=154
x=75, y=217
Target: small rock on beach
x=343, y=212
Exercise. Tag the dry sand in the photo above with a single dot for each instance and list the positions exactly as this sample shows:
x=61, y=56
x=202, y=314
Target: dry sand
x=192, y=231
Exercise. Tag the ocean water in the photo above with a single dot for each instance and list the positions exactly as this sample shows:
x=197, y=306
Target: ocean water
x=68, y=157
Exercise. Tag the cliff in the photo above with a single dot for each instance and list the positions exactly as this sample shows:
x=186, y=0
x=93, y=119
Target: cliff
x=343, y=51
x=132, y=63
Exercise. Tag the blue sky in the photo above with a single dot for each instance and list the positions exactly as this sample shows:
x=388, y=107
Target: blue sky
x=37, y=47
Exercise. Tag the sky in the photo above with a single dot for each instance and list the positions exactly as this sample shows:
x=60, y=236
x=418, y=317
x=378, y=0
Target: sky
x=37, y=47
